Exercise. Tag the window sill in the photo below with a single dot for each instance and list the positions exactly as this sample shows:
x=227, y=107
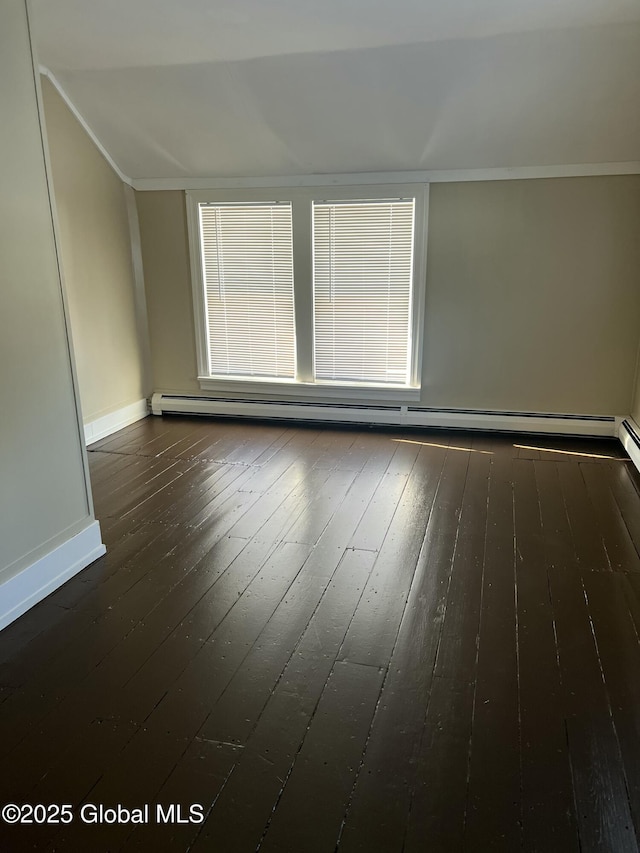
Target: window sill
x=319, y=390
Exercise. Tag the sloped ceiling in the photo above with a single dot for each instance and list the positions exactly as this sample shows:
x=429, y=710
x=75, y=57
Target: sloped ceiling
x=222, y=88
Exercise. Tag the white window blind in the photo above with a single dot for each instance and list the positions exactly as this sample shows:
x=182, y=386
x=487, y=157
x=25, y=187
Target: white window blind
x=247, y=264
x=362, y=276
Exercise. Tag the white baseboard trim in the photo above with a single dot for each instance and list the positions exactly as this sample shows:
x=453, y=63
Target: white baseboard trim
x=108, y=424
x=37, y=581
x=525, y=422
x=392, y=415
x=629, y=435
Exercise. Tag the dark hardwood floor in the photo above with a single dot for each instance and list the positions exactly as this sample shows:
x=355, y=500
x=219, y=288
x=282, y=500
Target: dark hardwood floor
x=338, y=639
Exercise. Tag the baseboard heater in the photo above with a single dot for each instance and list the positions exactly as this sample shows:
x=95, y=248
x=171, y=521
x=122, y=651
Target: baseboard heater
x=629, y=435
x=390, y=415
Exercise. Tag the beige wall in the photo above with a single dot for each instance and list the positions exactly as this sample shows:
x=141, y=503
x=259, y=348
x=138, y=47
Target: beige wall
x=532, y=294
x=108, y=334
x=44, y=496
x=165, y=254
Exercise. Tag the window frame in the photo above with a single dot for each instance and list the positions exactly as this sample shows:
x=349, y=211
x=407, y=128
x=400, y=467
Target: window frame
x=301, y=199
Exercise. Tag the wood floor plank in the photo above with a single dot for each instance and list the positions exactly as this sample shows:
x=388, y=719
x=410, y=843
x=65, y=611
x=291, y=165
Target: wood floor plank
x=130, y=490
x=162, y=505
x=196, y=780
x=134, y=778
x=602, y=806
x=242, y=811
x=187, y=443
x=438, y=803
x=373, y=632
x=310, y=524
x=248, y=691
x=25, y=662
x=621, y=551
x=246, y=803
x=375, y=522
x=381, y=800
x=225, y=445
x=102, y=465
x=548, y=811
x=166, y=443
x=632, y=594
x=294, y=506
x=437, y=817
x=371, y=449
x=269, y=466
x=330, y=448
x=54, y=680
x=203, y=445
x=204, y=504
x=190, y=700
x=251, y=686
x=153, y=432
x=558, y=538
x=110, y=660
x=626, y=495
x=614, y=630
x=139, y=497
x=154, y=655
x=457, y=650
x=289, y=435
x=15, y=638
x=236, y=713
x=69, y=779
x=586, y=530
x=72, y=778
x=251, y=449
x=494, y=817
x=309, y=812
x=405, y=455
x=119, y=476
x=223, y=510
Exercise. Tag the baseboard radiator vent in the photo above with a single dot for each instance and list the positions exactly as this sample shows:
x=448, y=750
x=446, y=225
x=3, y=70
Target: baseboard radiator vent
x=629, y=435
x=390, y=415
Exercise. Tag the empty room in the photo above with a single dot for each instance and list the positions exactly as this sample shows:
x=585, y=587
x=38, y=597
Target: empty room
x=320, y=426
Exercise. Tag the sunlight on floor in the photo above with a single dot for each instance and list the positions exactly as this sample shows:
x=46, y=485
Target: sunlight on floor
x=571, y=453
x=443, y=446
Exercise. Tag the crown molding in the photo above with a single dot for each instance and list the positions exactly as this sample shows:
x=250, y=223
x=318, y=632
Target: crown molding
x=510, y=173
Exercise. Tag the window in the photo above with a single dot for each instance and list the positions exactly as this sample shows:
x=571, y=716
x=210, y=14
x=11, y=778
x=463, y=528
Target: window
x=318, y=289
x=362, y=274
x=247, y=269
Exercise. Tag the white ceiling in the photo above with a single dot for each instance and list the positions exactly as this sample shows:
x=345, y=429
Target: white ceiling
x=271, y=87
